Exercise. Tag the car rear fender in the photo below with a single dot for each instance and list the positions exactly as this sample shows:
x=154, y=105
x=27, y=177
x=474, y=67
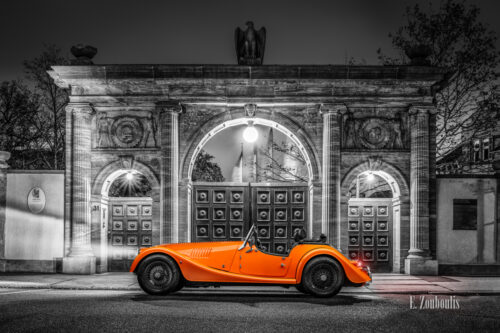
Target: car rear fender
x=352, y=273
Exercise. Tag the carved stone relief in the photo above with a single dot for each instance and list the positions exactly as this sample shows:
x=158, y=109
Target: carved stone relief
x=309, y=118
x=126, y=131
x=193, y=119
x=375, y=132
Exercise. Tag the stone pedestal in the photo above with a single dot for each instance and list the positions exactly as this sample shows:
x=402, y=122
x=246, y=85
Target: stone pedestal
x=330, y=214
x=421, y=266
x=79, y=265
x=81, y=259
x=418, y=261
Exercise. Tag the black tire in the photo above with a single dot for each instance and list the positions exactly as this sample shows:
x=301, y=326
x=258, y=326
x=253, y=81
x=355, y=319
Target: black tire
x=158, y=275
x=323, y=277
x=180, y=285
x=301, y=288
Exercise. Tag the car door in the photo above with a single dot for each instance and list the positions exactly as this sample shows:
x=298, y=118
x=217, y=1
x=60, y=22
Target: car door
x=258, y=263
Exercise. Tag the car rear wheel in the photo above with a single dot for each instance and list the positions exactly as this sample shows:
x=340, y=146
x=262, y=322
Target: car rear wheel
x=323, y=277
x=158, y=275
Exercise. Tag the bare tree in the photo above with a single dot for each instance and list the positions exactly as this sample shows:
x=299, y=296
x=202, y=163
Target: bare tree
x=50, y=119
x=453, y=38
x=18, y=131
x=282, y=162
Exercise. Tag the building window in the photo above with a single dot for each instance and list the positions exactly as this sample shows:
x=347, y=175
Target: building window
x=476, y=150
x=486, y=149
x=464, y=214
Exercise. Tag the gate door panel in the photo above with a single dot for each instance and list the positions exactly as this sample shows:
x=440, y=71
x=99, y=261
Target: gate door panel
x=130, y=228
x=278, y=210
x=370, y=232
x=220, y=211
x=225, y=211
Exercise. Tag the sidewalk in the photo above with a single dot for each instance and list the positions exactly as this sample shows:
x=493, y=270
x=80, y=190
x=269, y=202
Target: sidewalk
x=382, y=284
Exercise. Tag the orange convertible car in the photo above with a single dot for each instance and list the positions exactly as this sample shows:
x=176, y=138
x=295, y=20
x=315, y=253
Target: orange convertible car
x=313, y=267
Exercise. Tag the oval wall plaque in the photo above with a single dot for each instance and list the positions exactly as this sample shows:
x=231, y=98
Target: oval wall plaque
x=36, y=200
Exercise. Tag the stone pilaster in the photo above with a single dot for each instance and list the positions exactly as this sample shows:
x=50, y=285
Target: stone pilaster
x=81, y=259
x=4, y=157
x=68, y=181
x=169, y=118
x=418, y=261
x=330, y=214
x=496, y=167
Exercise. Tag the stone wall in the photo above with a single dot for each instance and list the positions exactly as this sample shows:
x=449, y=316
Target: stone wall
x=34, y=226
x=466, y=246
x=344, y=116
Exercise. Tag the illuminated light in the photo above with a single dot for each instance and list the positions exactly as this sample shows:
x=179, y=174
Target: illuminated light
x=370, y=177
x=129, y=176
x=250, y=134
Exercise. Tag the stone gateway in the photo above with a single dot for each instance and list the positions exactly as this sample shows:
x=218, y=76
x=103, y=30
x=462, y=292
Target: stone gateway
x=353, y=125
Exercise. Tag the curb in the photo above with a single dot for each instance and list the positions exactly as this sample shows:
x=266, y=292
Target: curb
x=35, y=285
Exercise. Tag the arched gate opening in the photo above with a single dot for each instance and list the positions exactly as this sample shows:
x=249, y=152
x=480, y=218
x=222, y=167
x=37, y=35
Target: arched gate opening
x=269, y=183
x=375, y=204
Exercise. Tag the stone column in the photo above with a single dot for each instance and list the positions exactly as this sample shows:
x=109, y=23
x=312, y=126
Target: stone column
x=81, y=259
x=330, y=211
x=496, y=167
x=169, y=229
x=418, y=261
x=4, y=157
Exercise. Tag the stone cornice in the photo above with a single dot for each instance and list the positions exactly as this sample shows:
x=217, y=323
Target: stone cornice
x=252, y=84
x=323, y=72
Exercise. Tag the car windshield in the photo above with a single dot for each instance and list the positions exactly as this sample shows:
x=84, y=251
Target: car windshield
x=247, y=238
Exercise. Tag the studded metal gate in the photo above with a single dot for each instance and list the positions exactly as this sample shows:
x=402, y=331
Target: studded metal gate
x=130, y=227
x=279, y=210
x=224, y=211
x=370, y=232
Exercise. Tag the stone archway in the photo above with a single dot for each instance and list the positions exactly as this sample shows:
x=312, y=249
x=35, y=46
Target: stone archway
x=266, y=118
x=147, y=211
x=400, y=207
x=235, y=117
x=256, y=121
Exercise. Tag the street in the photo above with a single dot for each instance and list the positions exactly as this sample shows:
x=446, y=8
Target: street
x=47, y=310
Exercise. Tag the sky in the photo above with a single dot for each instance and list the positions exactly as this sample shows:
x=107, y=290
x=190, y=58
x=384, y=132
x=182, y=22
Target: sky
x=202, y=32
x=227, y=146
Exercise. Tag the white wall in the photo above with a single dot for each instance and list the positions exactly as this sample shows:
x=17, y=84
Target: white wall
x=30, y=236
x=466, y=246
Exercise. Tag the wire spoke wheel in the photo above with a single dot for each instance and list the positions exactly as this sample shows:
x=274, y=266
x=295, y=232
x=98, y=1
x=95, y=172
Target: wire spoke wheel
x=322, y=277
x=159, y=275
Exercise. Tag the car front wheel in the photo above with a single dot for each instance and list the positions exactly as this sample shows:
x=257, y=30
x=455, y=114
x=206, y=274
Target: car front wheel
x=158, y=275
x=323, y=277
x=300, y=288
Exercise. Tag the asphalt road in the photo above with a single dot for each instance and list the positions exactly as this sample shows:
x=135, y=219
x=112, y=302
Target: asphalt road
x=209, y=311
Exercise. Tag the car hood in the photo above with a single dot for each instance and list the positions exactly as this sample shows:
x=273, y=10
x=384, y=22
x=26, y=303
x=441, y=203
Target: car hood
x=217, y=255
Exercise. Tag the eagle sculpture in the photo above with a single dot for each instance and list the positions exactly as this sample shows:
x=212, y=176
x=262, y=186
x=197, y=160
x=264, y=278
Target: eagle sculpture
x=250, y=45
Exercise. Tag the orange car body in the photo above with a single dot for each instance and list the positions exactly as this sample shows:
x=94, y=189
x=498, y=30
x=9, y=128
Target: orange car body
x=222, y=262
